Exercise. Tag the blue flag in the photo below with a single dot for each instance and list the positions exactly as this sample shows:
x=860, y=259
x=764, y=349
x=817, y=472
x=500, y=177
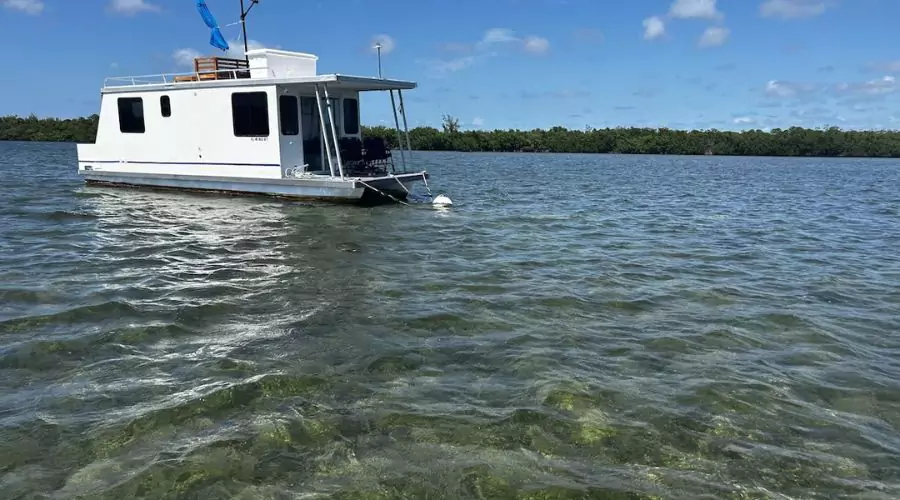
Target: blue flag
x=216, y=39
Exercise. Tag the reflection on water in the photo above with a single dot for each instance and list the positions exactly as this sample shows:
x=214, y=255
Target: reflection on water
x=605, y=327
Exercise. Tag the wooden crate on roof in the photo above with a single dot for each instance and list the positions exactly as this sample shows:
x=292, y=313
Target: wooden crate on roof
x=220, y=68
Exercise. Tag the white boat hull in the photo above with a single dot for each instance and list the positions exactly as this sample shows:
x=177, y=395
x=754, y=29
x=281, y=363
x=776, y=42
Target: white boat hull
x=266, y=124
x=320, y=187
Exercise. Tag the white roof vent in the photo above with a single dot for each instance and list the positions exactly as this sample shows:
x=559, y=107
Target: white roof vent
x=272, y=63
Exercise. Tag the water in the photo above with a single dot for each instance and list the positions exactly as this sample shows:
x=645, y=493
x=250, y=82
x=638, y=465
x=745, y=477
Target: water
x=575, y=327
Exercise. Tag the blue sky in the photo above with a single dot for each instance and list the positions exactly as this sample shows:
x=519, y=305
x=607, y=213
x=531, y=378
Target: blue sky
x=727, y=64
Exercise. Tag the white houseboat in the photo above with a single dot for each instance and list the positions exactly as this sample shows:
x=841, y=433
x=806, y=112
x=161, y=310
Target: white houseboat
x=266, y=124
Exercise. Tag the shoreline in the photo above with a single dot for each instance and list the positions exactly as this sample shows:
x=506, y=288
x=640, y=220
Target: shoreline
x=791, y=142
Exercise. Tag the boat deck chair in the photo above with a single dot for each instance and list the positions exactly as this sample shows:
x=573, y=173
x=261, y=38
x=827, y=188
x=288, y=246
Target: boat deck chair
x=376, y=154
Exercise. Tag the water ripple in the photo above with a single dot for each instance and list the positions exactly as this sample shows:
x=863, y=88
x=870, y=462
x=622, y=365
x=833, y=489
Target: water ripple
x=606, y=327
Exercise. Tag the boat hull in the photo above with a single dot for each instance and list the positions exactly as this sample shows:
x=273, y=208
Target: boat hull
x=312, y=187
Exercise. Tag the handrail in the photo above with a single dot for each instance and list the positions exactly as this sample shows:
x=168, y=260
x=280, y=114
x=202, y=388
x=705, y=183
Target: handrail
x=170, y=78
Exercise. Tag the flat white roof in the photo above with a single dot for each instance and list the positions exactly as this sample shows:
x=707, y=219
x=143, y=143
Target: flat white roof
x=279, y=52
x=338, y=81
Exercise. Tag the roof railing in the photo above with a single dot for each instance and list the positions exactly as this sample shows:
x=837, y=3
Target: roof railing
x=205, y=69
x=181, y=77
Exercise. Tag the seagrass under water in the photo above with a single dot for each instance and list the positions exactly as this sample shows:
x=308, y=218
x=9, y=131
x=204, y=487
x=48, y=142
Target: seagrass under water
x=574, y=327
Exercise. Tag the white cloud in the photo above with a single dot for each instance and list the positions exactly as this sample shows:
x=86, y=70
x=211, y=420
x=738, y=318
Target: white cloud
x=504, y=36
x=536, y=45
x=132, y=7
x=695, y=9
x=887, y=67
x=185, y=57
x=453, y=65
x=498, y=35
x=881, y=86
x=654, y=27
x=792, y=9
x=478, y=121
x=778, y=88
x=489, y=46
x=33, y=7
x=443, y=66
x=744, y=120
x=388, y=44
x=236, y=48
x=714, y=36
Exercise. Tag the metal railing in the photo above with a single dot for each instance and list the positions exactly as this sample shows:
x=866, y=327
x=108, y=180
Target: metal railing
x=180, y=77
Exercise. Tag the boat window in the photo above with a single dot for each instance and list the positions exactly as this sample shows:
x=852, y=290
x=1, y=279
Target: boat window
x=290, y=115
x=250, y=114
x=131, y=115
x=351, y=116
x=165, y=105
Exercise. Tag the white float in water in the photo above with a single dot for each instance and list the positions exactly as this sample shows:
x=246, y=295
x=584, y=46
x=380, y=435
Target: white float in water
x=442, y=201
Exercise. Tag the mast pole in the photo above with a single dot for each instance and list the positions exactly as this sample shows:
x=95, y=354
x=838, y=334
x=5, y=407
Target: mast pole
x=378, y=48
x=244, y=29
x=244, y=25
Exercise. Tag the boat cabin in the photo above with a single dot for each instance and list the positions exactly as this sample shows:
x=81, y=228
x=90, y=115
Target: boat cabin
x=269, y=116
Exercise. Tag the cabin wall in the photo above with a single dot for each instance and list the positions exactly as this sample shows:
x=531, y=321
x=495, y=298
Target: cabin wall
x=198, y=138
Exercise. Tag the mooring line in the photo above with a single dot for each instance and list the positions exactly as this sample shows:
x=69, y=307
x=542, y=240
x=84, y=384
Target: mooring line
x=373, y=188
x=401, y=184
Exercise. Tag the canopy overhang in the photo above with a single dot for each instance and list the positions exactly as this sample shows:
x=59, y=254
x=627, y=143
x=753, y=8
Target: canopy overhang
x=345, y=82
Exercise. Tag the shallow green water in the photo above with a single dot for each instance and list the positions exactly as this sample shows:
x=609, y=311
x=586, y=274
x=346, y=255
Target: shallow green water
x=575, y=327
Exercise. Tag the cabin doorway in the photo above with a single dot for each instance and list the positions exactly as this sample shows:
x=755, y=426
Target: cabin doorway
x=315, y=150
x=289, y=120
x=312, y=135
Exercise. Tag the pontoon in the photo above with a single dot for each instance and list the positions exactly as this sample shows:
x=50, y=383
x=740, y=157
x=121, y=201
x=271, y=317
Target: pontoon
x=266, y=124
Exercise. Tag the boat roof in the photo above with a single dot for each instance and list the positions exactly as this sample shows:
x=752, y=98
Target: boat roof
x=260, y=67
x=334, y=81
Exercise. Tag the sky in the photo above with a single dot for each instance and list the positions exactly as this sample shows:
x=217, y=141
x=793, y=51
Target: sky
x=524, y=64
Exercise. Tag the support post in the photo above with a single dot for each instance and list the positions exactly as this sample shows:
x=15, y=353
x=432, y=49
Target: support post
x=324, y=132
x=405, y=126
x=397, y=128
x=337, y=146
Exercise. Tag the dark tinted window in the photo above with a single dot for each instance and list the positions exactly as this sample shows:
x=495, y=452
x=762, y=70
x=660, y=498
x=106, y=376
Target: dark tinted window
x=131, y=115
x=250, y=114
x=165, y=106
x=290, y=115
x=351, y=116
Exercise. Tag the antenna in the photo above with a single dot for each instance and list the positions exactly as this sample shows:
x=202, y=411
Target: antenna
x=378, y=48
x=244, y=25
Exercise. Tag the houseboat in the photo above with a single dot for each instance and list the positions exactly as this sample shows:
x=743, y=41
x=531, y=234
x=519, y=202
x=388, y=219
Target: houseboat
x=267, y=124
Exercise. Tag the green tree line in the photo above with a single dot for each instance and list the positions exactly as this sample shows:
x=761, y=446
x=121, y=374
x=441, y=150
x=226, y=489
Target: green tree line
x=32, y=128
x=794, y=141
